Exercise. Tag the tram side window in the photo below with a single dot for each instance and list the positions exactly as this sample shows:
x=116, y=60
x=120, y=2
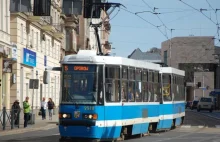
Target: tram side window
x=112, y=87
x=182, y=89
x=151, y=86
x=166, y=87
x=157, y=89
x=124, y=90
x=100, y=85
x=138, y=90
x=176, y=88
x=145, y=85
x=131, y=85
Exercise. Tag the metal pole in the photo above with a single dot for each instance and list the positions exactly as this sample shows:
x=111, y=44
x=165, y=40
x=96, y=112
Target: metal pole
x=4, y=117
x=32, y=111
x=98, y=40
x=194, y=88
x=203, y=86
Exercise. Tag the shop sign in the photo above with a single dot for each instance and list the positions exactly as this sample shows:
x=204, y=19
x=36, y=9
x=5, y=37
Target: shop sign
x=14, y=53
x=29, y=57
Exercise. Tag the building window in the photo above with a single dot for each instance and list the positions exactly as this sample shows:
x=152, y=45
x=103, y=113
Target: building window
x=6, y=16
x=32, y=38
x=54, y=51
x=2, y=14
x=37, y=40
x=55, y=18
x=21, y=33
x=165, y=57
x=48, y=47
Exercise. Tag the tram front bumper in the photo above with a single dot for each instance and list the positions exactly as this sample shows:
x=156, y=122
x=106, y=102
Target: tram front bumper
x=80, y=129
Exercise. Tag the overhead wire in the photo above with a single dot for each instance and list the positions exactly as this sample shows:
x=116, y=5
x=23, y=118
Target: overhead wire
x=215, y=16
x=157, y=17
x=197, y=10
x=171, y=12
x=146, y=22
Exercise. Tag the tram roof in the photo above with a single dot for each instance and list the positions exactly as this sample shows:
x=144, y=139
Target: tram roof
x=90, y=57
x=172, y=70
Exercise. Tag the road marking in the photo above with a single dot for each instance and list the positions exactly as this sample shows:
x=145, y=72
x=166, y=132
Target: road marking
x=56, y=134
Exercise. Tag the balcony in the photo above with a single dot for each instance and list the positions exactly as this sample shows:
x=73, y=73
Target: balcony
x=47, y=24
x=59, y=31
x=33, y=18
x=71, y=22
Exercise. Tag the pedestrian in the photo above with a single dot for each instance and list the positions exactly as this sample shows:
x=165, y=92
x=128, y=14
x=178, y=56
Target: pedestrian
x=26, y=107
x=16, y=109
x=43, y=108
x=51, y=105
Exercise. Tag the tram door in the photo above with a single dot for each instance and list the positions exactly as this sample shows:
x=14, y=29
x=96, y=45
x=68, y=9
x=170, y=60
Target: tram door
x=167, y=107
x=113, y=106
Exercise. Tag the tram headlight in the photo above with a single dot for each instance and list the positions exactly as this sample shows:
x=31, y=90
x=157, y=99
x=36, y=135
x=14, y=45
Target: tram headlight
x=90, y=116
x=64, y=116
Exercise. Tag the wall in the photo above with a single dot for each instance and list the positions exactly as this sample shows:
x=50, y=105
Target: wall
x=189, y=50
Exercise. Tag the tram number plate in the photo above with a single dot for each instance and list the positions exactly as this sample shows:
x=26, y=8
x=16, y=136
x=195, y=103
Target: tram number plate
x=89, y=108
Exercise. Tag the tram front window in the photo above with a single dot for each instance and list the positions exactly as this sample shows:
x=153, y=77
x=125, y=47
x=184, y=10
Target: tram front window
x=80, y=87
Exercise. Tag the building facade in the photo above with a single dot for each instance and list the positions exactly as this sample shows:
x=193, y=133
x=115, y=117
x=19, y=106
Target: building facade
x=5, y=54
x=195, y=56
x=39, y=42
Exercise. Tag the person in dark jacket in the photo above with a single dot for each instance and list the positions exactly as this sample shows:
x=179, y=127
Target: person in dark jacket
x=51, y=106
x=16, y=109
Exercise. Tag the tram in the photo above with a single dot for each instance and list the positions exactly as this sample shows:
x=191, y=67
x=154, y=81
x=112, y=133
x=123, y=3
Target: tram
x=110, y=98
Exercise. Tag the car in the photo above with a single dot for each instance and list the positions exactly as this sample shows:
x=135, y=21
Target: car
x=205, y=103
x=194, y=104
x=188, y=104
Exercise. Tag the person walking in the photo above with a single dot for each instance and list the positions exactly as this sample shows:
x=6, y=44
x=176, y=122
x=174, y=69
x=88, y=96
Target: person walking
x=16, y=109
x=43, y=108
x=51, y=105
x=26, y=107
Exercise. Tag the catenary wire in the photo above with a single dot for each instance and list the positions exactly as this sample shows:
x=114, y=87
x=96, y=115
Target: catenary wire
x=157, y=17
x=197, y=10
x=146, y=22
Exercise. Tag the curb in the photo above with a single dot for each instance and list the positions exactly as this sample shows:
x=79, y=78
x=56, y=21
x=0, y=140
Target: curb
x=23, y=130
x=189, y=126
x=200, y=126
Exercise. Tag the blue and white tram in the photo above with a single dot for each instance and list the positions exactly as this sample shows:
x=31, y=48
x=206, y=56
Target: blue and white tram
x=108, y=98
x=173, y=91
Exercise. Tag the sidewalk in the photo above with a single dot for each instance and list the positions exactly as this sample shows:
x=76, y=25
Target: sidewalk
x=39, y=125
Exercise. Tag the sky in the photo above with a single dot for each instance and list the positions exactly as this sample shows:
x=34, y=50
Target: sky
x=130, y=31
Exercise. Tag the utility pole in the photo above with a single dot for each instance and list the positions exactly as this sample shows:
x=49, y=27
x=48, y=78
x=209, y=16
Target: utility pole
x=203, y=85
x=171, y=30
x=194, y=96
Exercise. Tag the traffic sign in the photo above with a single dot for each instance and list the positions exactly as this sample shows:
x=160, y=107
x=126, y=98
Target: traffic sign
x=34, y=84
